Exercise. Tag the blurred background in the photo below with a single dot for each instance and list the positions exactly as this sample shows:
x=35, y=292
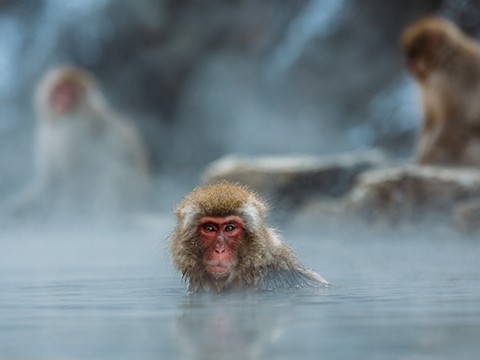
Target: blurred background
x=201, y=79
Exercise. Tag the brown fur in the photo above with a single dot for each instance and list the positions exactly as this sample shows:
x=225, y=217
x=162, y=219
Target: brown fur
x=446, y=64
x=263, y=262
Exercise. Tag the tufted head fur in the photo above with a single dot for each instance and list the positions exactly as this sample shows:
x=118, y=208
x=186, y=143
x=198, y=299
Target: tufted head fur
x=222, y=199
x=433, y=43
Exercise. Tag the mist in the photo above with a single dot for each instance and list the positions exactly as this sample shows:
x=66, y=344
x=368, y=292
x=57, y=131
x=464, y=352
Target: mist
x=200, y=81
x=232, y=78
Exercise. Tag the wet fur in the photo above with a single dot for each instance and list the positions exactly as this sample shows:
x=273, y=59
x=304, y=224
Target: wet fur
x=263, y=261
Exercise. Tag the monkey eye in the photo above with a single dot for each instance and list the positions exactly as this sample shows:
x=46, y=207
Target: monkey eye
x=230, y=227
x=208, y=228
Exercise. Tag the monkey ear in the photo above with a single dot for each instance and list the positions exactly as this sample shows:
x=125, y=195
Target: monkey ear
x=185, y=214
x=254, y=212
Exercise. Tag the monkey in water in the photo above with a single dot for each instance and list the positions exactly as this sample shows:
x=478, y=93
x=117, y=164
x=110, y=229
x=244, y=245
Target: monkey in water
x=89, y=161
x=445, y=62
x=221, y=242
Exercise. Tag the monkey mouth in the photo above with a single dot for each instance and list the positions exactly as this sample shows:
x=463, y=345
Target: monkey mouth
x=218, y=270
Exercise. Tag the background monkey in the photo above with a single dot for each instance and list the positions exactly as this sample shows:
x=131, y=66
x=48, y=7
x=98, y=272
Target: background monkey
x=221, y=242
x=88, y=160
x=446, y=64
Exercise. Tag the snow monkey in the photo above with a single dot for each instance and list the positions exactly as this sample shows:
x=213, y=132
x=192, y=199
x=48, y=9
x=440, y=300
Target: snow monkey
x=221, y=242
x=446, y=65
x=89, y=161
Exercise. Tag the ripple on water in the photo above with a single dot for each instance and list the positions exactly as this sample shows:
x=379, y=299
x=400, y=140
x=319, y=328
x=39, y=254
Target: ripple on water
x=388, y=300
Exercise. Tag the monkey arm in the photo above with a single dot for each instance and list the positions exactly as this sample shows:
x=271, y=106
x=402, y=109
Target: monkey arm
x=425, y=140
x=442, y=138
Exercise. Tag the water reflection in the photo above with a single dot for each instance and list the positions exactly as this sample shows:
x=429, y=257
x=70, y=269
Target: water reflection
x=115, y=296
x=221, y=328
x=235, y=326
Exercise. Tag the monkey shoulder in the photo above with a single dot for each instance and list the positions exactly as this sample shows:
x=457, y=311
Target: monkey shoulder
x=285, y=272
x=272, y=278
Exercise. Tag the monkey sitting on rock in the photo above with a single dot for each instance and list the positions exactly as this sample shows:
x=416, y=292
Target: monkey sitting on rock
x=221, y=243
x=445, y=62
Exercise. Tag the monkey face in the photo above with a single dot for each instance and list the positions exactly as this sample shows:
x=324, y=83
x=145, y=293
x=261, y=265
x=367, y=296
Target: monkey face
x=219, y=239
x=426, y=45
x=419, y=54
x=418, y=67
x=65, y=96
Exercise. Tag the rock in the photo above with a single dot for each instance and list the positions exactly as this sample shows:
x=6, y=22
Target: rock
x=411, y=193
x=290, y=180
x=466, y=216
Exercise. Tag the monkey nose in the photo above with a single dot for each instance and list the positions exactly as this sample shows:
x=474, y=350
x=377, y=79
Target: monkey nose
x=220, y=246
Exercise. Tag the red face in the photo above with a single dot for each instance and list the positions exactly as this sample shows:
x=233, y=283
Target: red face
x=65, y=96
x=220, y=237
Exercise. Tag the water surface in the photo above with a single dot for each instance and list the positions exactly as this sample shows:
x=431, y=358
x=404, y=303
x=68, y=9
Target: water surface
x=77, y=294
